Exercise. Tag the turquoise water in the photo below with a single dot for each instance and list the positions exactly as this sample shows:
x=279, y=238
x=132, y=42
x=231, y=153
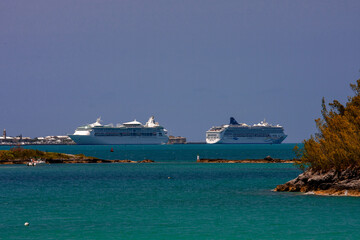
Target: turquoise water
x=174, y=153
x=167, y=200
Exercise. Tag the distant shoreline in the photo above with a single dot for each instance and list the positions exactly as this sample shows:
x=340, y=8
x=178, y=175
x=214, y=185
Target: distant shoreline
x=72, y=160
x=30, y=156
x=267, y=159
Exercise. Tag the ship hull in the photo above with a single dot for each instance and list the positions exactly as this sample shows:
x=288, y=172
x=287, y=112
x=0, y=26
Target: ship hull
x=248, y=140
x=118, y=140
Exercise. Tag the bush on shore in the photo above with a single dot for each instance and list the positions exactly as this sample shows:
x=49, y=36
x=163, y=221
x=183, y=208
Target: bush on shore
x=19, y=153
x=337, y=145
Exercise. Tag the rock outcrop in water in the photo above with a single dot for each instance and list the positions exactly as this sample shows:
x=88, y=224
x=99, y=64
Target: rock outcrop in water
x=331, y=182
x=267, y=159
x=71, y=159
x=146, y=161
x=25, y=156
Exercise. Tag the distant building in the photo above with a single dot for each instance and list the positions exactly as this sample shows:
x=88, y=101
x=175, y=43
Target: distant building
x=177, y=140
x=6, y=139
x=20, y=140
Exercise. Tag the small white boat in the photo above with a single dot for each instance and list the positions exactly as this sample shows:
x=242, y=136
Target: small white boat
x=35, y=162
x=31, y=164
x=39, y=161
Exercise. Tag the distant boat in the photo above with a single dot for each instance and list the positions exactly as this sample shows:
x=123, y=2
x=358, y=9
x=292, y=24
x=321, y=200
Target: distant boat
x=35, y=162
x=31, y=164
x=241, y=133
x=127, y=133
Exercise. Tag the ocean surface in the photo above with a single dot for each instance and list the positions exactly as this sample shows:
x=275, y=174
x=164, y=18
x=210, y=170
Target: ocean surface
x=173, y=198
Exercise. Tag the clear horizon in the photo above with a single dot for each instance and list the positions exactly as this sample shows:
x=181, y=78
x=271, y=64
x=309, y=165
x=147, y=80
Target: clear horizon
x=191, y=64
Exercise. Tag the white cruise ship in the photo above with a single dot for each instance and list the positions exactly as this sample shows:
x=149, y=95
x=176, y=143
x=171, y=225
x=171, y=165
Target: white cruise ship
x=127, y=133
x=235, y=133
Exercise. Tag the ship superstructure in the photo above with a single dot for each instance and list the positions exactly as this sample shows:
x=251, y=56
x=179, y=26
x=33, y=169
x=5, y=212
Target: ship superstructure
x=126, y=133
x=241, y=133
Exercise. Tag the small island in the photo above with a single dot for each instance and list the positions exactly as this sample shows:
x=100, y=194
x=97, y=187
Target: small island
x=19, y=155
x=330, y=160
x=267, y=159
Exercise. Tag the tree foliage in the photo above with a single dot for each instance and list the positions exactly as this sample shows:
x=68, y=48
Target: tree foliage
x=337, y=145
x=18, y=153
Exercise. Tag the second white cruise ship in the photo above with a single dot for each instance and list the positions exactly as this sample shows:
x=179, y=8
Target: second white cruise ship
x=127, y=133
x=235, y=133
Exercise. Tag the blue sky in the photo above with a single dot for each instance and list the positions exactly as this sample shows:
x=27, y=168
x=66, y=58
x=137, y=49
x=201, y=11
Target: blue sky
x=191, y=64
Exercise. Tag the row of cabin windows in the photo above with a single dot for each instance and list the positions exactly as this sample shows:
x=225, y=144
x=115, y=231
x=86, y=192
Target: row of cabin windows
x=98, y=130
x=255, y=131
x=247, y=135
x=212, y=135
x=124, y=134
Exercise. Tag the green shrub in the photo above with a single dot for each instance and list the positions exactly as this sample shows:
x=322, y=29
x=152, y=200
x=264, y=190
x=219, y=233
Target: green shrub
x=337, y=145
x=19, y=153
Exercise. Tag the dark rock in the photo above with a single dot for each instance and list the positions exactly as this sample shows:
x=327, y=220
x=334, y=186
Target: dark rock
x=330, y=182
x=219, y=160
x=146, y=161
x=268, y=158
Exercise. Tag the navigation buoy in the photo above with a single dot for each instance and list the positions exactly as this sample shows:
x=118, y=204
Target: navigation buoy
x=26, y=224
x=111, y=150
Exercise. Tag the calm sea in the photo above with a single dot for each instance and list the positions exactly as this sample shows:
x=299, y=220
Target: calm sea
x=173, y=198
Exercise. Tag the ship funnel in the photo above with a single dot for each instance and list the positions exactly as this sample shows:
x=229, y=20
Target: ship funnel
x=97, y=123
x=233, y=121
x=151, y=122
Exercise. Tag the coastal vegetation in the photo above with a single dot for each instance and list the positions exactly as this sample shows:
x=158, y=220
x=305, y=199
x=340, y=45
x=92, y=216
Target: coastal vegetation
x=331, y=159
x=18, y=155
x=337, y=145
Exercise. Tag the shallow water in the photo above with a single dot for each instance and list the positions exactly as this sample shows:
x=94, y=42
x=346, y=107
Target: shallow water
x=174, y=153
x=167, y=200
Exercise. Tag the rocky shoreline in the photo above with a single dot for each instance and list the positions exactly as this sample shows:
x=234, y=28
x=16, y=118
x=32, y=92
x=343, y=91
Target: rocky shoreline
x=333, y=183
x=33, y=157
x=267, y=159
x=73, y=160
